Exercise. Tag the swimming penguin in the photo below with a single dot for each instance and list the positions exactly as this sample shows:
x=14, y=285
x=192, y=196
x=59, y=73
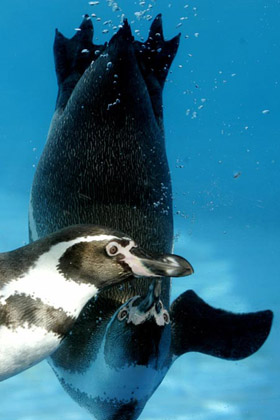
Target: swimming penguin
x=105, y=163
x=150, y=338
x=137, y=366
x=45, y=285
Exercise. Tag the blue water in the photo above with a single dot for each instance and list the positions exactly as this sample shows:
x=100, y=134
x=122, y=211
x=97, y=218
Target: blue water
x=222, y=107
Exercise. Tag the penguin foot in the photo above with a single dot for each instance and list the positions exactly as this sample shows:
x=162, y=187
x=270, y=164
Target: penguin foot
x=155, y=57
x=72, y=57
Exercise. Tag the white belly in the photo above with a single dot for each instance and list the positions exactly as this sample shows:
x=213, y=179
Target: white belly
x=23, y=347
x=102, y=381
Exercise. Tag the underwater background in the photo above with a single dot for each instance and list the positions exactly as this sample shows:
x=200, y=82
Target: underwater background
x=221, y=112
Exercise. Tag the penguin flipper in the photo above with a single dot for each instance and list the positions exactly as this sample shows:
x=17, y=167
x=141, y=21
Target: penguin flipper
x=196, y=326
x=72, y=57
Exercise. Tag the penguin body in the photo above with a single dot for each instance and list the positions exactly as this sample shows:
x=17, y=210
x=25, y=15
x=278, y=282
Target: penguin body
x=45, y=285
x=137, y=368
x=143, y=340
x=105, y=163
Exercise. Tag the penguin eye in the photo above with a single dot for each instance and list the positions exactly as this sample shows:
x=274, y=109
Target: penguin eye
x=112, y=249
x=166, y=317
x=122, y=314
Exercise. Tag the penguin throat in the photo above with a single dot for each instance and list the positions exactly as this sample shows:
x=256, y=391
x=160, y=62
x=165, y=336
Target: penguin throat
x=137, y=316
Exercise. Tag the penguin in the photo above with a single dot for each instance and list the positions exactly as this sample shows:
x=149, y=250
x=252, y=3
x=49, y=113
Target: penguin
x=139, y=366
x=146, y=362
x=105, y=163
x=45, y=285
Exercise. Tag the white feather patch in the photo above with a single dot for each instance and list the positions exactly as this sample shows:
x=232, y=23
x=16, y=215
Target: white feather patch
x=23, y=347
x=45, y=282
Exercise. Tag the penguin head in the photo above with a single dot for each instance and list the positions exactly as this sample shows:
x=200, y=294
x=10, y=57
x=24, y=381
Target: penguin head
x=103, y=257
x=142, y=325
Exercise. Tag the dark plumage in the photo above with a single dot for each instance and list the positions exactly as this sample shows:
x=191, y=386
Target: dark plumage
x=105, y=163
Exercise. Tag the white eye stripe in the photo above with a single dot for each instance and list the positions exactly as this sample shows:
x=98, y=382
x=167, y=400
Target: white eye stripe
x=95, y=238
x=68, y=292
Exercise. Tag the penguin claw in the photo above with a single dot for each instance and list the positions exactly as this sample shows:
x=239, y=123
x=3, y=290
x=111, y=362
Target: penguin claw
x=59, y=35
x=174, y=42
x=124, y=33
x=156, y=30
x=85, y=32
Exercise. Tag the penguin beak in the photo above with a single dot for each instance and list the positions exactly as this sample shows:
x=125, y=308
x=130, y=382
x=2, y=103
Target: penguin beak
x=152, y=297
x=168, y=265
